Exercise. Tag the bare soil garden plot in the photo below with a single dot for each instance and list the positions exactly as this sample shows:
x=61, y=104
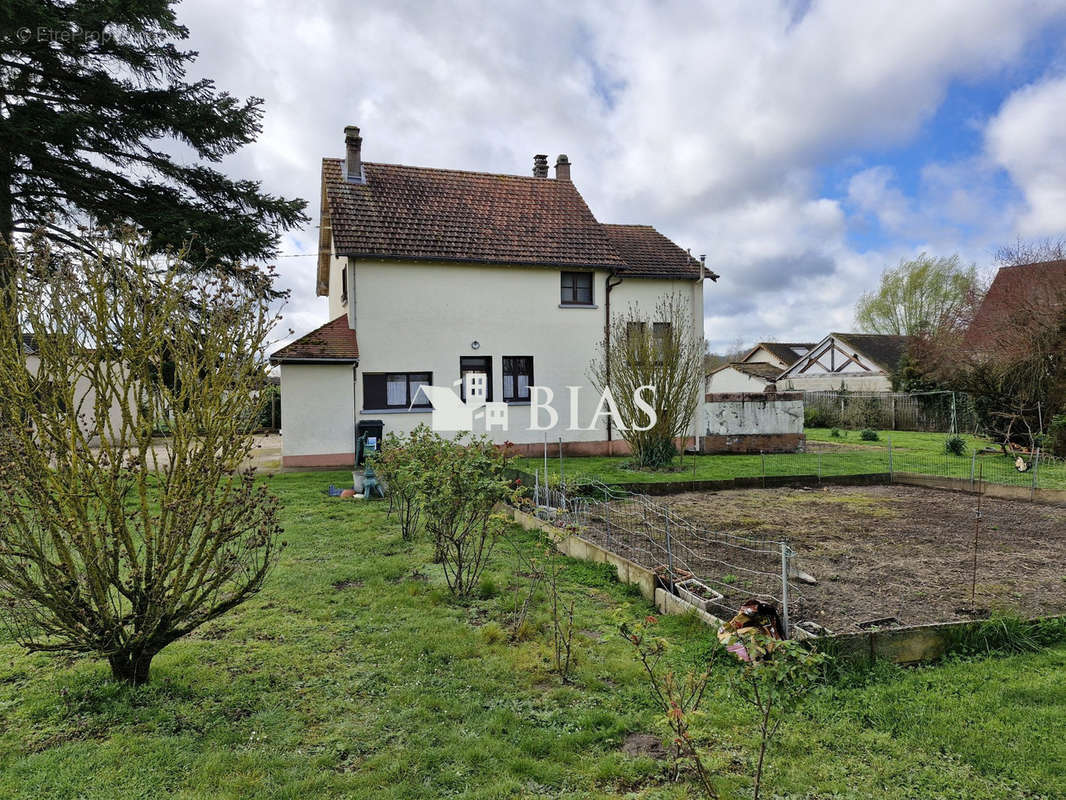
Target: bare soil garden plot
x=890, y=551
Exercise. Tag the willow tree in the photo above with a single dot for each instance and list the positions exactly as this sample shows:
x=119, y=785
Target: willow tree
x=919, y=295
x=655, y=359
x=113, y=541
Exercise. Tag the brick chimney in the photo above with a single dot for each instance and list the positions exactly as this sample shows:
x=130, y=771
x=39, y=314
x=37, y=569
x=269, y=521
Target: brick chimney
x=353, y=162
x=540, y=166
x=562, y=168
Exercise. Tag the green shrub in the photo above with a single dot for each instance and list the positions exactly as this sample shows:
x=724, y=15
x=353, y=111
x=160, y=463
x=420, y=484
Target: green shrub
x=834, y=433
x=955, y=445
x=1057, y=435
x=869, y=435
x=818, y=416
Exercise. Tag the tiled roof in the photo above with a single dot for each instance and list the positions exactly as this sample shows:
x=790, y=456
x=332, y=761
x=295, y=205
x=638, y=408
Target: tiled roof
x=884, y=349
x=786, y=351
x=416, y=213
x=647, y=253
x=757, y=369
x=449, y=215
x=334, y=341
x=1014, y=295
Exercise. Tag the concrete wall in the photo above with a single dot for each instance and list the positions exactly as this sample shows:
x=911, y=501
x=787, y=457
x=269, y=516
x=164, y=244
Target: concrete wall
x=733, y=381
x=317, y=402
x=739, y=423
x=423, y=317
x=824, y=382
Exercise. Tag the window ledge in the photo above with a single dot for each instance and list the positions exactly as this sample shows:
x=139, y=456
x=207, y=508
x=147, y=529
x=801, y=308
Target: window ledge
x=577, y=305
x=395, y=410
x=518, y=402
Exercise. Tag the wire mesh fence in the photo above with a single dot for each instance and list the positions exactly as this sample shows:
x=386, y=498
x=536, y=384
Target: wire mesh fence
x=713, y=569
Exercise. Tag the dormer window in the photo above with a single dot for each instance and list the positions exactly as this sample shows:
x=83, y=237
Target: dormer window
x=576, y=289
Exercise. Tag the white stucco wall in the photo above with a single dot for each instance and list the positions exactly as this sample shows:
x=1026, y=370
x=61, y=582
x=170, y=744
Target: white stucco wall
x=85, y=403
x=736, y=417
x=423, y=317
x=733, y=380
x=762, y=354
x=830, y=382
x=337, y=265
x=317, y=412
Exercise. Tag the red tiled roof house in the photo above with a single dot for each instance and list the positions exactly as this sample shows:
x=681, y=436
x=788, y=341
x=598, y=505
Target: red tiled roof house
x=433, y=274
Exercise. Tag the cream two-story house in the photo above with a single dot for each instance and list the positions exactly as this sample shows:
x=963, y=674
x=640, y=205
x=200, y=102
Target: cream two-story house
x=434, y=274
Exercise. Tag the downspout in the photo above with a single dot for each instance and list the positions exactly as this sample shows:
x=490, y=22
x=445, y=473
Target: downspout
x=609, y=284
x=699, y=311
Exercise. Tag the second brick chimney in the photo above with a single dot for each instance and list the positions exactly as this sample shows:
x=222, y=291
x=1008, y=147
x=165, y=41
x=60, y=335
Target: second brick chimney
x=562, y=168
x=353, y=160
x=540, y=166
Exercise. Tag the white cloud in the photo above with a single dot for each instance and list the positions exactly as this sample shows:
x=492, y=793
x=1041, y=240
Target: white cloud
x=708, y=120
x=1028, y=139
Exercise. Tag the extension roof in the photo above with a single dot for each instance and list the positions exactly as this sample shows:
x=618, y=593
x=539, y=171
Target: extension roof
x=332, y=342
x=419, y=214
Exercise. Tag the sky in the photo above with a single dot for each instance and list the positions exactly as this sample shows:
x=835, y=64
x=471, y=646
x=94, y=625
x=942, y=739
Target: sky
x=804, y=147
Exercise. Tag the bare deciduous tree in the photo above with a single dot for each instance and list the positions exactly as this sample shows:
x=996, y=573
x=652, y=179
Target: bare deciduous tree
x=115, y=542
x=660, y=350
x=1030, y=251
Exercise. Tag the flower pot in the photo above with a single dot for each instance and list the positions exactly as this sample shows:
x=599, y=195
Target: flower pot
x=698, y=593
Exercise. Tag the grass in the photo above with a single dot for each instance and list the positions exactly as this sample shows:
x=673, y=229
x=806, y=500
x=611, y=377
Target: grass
x=921, y=453
x=353, y=674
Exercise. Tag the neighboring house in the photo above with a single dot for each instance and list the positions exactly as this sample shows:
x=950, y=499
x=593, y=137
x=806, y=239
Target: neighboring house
x=84, y=394
x=781, y=354
x=740, y=376
x=1017, y=296
x=856, y=362
x=434, y=275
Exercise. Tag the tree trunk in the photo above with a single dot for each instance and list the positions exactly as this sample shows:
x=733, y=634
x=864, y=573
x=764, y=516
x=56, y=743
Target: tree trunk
x=131, y=668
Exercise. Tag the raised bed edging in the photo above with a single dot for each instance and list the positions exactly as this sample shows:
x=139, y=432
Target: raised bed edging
x=770, y=481
x=910, y=645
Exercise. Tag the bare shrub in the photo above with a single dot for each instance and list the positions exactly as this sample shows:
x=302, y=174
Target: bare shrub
x=113, y=543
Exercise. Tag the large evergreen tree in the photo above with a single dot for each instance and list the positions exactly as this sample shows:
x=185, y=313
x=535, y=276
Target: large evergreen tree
x=90, y=92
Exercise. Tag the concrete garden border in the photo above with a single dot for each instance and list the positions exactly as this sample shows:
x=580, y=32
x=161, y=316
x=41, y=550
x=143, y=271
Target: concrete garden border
x=912, y=644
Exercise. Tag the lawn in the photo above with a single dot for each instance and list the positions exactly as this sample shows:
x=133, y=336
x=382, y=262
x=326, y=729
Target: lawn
x=354, y=675
x=920, y=453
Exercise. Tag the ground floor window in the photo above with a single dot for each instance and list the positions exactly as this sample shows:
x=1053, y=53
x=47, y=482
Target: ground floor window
x=517, y=378
x=396, y=390
x=481, y=368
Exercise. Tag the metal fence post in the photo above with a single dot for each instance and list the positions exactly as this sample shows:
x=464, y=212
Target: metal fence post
x=762, y=458
x=607, y=520
x=973, y=468
x=1036, y=473
x=819, y=466
x=669, y=555
x=890, y=470
x=784, y=588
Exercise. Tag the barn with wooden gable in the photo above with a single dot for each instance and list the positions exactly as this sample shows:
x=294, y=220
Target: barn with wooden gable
x=856, y=362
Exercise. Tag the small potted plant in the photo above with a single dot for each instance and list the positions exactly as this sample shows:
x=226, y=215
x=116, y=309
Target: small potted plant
x=698, y=593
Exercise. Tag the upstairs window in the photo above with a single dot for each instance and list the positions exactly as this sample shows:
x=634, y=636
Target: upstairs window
x=576, y=289
x=517, y=378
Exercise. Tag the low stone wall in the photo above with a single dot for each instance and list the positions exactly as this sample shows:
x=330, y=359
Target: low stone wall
x=753, y=423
